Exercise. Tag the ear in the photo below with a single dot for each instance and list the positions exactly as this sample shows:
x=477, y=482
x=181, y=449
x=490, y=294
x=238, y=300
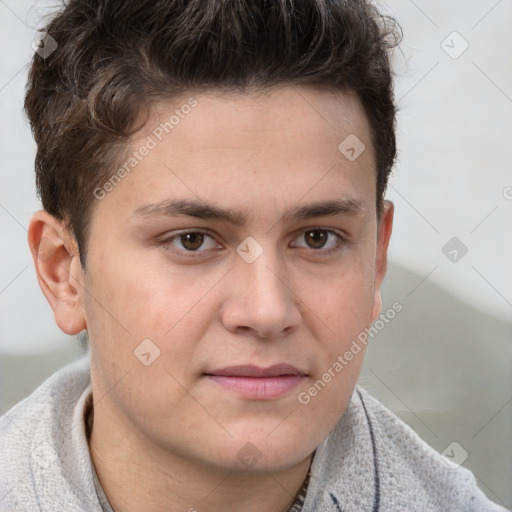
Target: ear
x=384, y=229
x=58, y=269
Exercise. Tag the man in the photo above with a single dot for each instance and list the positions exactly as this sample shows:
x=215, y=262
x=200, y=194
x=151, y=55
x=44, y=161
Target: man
x=213, y=176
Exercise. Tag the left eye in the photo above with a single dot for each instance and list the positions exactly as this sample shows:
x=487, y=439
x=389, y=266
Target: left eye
x=318, y=239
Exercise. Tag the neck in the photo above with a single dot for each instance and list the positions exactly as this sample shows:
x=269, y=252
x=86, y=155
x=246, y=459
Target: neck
x=139, y=477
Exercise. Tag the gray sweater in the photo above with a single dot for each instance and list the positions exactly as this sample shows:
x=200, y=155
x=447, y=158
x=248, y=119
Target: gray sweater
x=371, y=461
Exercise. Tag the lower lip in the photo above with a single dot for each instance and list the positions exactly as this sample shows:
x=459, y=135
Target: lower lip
x=258, y=388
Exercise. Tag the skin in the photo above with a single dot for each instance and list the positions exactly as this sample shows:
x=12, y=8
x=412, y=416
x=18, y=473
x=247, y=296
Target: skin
x=165, y=436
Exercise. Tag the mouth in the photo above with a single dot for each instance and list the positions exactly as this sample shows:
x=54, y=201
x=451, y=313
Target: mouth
x=256, y=383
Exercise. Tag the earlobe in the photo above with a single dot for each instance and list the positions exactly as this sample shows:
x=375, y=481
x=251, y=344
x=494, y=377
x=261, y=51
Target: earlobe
x=58, y=270
x=385, y=228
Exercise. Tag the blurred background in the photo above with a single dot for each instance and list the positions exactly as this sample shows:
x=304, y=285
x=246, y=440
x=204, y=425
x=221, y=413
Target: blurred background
x=444, y=363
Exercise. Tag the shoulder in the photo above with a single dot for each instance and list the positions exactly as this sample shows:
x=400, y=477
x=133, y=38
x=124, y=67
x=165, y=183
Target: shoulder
x=371, y=460
x=38, y=434
x=56, y=395
x=410, y=471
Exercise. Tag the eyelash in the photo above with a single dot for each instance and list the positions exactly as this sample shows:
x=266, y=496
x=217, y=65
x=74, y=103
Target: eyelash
x=167, y=242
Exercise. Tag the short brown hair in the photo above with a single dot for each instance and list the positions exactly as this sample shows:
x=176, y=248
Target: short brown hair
x=114, y=59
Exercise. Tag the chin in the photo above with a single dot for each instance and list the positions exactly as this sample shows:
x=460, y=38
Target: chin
x=264, y=452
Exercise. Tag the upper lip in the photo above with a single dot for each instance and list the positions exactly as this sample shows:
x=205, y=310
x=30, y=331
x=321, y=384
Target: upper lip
x=255, y=371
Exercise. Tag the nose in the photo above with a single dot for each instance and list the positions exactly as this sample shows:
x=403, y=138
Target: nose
x=260, y=299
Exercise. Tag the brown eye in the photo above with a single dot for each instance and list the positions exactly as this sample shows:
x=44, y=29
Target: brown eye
x=192, y=241
x=316, y=238
x=320, y=241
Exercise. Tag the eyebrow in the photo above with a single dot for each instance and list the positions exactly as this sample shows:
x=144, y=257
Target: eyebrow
x=200, y=210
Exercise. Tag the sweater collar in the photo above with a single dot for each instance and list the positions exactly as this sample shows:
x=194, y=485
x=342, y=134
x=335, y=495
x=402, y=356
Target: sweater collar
x=344, y=471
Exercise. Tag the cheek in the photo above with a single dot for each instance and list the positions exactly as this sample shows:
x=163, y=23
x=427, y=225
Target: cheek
x=170, y=307
x=345, y=303
x=131, y=304
x=144, y=331
x=148, y=298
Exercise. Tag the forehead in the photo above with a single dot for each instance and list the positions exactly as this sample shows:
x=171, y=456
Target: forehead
x=282, y=115
x=236, y=148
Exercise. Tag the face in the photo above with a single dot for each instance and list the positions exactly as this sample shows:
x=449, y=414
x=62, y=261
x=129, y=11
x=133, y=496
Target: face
x=228, y=270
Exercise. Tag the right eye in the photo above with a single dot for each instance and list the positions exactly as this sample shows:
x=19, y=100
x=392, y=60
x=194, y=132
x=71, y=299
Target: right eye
x=190, y=242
